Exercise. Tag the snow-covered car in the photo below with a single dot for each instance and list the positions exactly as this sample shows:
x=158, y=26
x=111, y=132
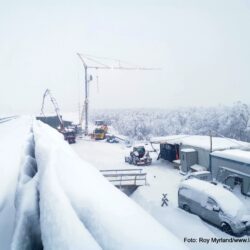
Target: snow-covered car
x=215, y=204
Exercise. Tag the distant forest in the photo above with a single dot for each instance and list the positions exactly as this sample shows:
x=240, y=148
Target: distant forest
x=229, y=121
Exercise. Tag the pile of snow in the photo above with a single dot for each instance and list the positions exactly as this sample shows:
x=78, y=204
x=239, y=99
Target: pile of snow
x=234, y=154
x=114, y=220
x=202, y=142
x=60, y=225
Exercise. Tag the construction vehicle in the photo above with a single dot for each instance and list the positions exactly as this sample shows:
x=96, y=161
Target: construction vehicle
x=139, y=156
x=99, y=134
x=112, y=139
x=68, y=133
x=100, y=130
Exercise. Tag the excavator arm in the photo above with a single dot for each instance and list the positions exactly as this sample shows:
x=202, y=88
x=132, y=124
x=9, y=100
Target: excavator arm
x=55, y=105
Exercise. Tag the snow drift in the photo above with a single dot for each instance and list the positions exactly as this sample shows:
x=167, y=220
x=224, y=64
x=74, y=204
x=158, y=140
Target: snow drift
x=27, y=233
x=13, y=136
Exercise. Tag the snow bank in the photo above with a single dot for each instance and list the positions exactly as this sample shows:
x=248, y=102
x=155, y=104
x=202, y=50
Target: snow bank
x=61, y=228
x=13, y=135
x=114, y=220
x=27, y=233
x=234, y=154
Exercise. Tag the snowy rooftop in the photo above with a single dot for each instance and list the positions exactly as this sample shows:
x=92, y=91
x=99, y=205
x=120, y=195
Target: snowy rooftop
x=188, y=150
x=234, y=154
x=202, y=141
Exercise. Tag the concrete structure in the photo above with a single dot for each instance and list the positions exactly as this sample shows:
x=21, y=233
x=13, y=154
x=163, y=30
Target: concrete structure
x=232, y=167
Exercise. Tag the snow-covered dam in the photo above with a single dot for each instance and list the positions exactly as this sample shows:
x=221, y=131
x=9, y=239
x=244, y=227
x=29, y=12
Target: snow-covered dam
x=62, y=202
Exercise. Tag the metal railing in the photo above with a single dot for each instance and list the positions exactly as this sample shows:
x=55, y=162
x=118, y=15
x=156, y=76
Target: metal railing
x=125, y=177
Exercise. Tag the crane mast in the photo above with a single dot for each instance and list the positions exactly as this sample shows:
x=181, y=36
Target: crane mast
x=102, y=66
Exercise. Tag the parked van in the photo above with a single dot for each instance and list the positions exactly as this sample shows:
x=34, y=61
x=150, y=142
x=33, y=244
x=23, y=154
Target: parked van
x=215, y=204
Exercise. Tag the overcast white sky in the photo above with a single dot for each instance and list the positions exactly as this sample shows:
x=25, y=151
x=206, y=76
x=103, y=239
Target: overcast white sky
x=202, y=46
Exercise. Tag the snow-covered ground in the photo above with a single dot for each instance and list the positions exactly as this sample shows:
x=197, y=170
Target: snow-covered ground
x=161, y=178
x=49, y=194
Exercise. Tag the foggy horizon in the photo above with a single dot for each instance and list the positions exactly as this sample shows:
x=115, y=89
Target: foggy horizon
x=202, y=48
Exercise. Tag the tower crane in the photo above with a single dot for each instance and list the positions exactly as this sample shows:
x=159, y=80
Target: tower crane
x=96, y=64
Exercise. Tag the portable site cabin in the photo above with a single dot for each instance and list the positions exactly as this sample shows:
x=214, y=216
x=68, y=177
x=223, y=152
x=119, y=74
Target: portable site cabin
x=194, y=151
x=232, y=167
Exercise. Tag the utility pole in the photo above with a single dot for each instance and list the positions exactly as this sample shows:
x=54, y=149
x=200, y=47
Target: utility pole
x=211, y=150
x=103, y=66
x=86, y=93
x=211, y=141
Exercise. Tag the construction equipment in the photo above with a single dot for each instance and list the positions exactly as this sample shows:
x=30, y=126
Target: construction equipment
x=100, y=131
x=69, y=134
x=112, y=139
x=99, y=134
x=139, y=156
